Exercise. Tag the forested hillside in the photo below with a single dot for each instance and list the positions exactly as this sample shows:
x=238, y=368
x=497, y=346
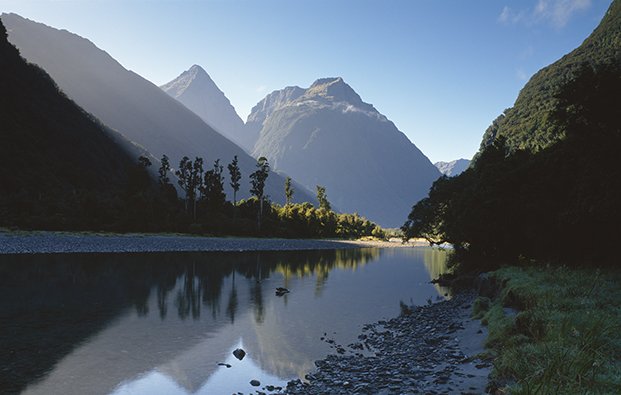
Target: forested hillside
x=545, y=184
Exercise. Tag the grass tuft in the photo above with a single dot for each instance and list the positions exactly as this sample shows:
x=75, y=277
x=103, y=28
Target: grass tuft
x=566, y=336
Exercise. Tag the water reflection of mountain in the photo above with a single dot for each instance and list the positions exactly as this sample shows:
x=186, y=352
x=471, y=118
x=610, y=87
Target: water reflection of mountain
x=59, y=311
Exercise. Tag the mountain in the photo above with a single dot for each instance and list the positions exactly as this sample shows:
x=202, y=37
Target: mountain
x=326, y=135
x=55, y=157
x=453, y=167
x=546, y=184
x=125, y=101
x=531, y=123
x=197, y=91
x=266, y=107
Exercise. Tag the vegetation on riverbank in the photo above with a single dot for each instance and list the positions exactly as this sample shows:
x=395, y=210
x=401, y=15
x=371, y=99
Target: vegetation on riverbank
x=566, y=335
x=201, y=208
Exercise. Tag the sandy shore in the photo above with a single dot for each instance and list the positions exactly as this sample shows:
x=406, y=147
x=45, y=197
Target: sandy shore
x=62, y=242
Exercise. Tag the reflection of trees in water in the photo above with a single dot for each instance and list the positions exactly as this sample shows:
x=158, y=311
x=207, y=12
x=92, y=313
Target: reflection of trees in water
x=320, y=263
x=94, y=288
x=189, y=296
x=233, y=304
x=435, y=263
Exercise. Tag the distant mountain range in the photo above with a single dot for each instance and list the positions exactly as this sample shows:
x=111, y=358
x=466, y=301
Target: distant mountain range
x=133, y=106
x=326, y=135
x=452, y=168
x=57, y=160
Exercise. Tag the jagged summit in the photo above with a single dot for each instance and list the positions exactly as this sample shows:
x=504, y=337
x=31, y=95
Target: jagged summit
x=334, y=89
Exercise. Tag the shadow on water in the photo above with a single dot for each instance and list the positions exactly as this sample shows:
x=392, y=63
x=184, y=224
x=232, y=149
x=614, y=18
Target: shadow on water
x=56, y=306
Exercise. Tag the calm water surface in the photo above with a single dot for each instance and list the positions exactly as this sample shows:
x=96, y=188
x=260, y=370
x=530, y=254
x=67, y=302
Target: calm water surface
x=161, y=323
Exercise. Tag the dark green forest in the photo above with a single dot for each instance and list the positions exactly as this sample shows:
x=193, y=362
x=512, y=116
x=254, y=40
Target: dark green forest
x=62, y=169
x=546, y=184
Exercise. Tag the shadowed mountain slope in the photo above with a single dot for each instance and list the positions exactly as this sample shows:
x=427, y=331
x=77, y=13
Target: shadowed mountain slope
x=53, y=153
x=125, y=101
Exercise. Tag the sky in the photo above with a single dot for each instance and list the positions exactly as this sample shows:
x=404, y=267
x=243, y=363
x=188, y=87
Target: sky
x=440, y=70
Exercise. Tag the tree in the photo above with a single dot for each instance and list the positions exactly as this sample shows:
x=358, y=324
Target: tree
x=190, y=180
x=323, y=198
x=144, y=161
x=214, y=186
x=235, y=177
x=288, y=191
x=257, y=181
x=163, y=171
x=183, y=178
x=196, y=181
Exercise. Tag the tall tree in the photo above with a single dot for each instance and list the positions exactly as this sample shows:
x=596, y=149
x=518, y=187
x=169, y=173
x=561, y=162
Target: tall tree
x=190, y=175
x=257, y=181
x=163, y=171
x=323, y=198
x=235, y=177
x=196, y=181
x=288, y=191
x=183, y=174
x=214, y=186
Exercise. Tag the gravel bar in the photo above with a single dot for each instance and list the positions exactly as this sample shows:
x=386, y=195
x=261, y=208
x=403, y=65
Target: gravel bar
x=58, y=242
x=429, y=350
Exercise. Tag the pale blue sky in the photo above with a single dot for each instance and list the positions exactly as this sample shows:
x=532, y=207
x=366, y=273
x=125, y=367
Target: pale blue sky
x=440, y=70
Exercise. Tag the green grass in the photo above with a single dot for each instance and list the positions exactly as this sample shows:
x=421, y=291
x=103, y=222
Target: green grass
x=566, y=336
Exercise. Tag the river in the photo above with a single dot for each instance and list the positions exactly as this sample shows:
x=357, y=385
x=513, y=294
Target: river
x=160, y=323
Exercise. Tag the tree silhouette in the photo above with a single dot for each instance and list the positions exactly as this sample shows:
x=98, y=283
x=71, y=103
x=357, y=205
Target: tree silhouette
x=183, y=178
x=235, y=177
x=323, y=198
x=214, y=187
x=163, y=171
x=257, y=180
x=288, y=191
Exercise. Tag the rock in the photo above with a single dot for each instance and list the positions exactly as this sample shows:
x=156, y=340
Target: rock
x=239, y=354
x=255, y=383
x=280, y=291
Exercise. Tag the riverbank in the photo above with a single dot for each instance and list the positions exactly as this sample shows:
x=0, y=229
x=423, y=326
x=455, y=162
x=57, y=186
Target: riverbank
x=554, y=329
x=86, y=242
x=430, y=349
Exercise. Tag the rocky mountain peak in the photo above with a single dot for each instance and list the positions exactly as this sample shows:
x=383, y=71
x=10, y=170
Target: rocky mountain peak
x=194, y=76
x=333, y=89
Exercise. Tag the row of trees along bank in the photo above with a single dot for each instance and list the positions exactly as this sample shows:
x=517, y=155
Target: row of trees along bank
x=203, y=206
